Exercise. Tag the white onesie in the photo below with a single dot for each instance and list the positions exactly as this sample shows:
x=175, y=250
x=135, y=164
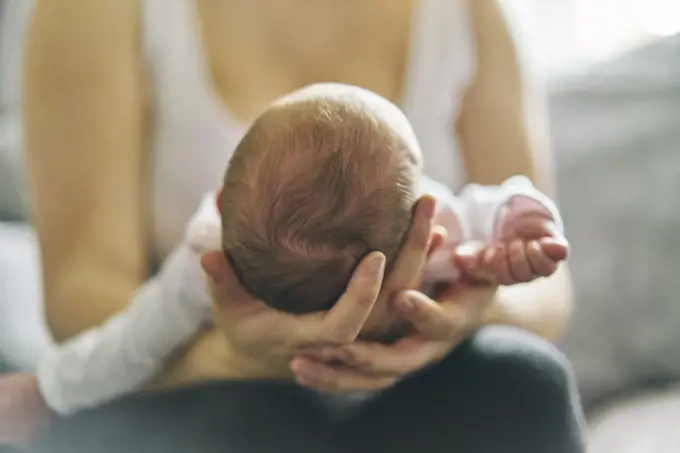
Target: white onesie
x=125, y=352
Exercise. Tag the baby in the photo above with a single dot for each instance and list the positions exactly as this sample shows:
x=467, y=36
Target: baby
x=323, y=177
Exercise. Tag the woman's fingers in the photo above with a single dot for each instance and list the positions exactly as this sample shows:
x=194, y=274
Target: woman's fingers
x=432, y=320
x=412, y=256
x=342, y=323
x=437, y=238
x=334, y=379
x=404, y=357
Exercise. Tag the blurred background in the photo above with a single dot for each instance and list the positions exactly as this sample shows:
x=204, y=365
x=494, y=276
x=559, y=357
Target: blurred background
x=611, y=69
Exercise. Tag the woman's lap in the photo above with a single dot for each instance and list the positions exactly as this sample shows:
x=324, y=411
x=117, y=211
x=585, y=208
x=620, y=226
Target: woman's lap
x=504, y=390
x=243, y=417
x=501, y=391
x=23, y=333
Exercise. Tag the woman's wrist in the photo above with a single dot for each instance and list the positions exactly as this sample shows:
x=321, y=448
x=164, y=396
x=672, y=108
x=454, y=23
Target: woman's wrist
x=211, y=357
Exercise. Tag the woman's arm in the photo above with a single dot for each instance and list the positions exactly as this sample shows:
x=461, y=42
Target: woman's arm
x=502, y=134
x=126, y=352
x=83, y=119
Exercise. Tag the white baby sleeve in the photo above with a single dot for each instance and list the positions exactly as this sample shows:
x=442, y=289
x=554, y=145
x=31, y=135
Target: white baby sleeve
x=449, y=207
x=451, y=215
x=486, y=206
x=127, y=350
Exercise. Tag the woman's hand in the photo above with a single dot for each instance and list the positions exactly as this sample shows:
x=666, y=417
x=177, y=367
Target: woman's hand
x=254, y=328
x=438, y=326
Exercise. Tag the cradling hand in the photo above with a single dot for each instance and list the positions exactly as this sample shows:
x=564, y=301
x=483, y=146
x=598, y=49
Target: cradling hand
x=438, y=327
x=260, y=331
x=252, y=326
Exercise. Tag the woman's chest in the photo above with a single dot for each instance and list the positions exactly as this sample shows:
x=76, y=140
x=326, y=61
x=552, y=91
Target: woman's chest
x=249, y=67
x=208, y=86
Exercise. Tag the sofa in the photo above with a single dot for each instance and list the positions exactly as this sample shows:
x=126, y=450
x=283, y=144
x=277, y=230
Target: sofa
x=616, y=137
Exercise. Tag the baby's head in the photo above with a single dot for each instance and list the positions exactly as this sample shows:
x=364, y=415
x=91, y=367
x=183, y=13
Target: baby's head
x=324, y=176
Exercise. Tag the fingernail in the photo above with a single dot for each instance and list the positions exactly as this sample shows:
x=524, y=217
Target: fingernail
x=377, y=264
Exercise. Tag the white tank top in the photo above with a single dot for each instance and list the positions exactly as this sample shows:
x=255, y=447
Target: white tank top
x=194, y=135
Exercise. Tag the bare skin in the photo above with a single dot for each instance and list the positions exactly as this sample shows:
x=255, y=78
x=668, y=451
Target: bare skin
x=87, y=108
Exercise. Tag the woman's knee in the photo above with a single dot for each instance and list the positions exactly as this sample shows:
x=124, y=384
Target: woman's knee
x=525, y=385
x=501, y=390
x=499, y=366
x=508, y=359
x=521, y=358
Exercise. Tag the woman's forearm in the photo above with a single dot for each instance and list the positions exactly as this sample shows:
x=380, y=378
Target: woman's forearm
x=542, y=307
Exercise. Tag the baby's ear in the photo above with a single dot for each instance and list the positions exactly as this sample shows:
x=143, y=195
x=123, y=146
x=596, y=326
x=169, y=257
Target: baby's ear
x=218, y=201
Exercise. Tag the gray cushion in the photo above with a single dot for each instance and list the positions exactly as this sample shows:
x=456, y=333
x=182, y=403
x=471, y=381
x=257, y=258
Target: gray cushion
x=617, y=140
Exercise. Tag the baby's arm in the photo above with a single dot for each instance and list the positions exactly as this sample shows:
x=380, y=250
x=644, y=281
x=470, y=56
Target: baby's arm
x=130, y=348
x=520, y=230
